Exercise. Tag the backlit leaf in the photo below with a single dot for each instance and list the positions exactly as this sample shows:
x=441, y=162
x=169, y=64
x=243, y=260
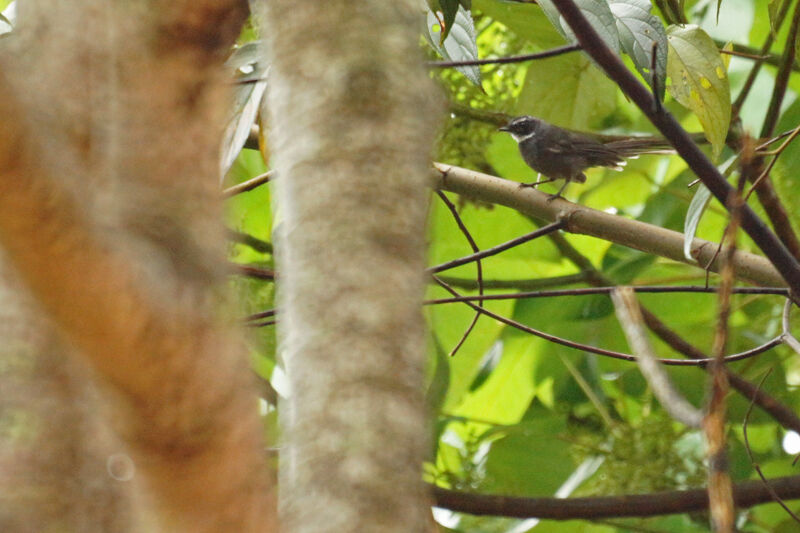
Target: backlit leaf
x=638, y=30
x=459, y=44
x=597, y=12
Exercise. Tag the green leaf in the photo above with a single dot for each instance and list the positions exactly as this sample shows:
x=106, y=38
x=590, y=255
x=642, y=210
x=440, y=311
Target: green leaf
x=459, y=44
x=773, y=8
x=696, y=209
x=700, y=81
x=531, y=460
x=597, y=12
x=638, y=30
x=525, y=20
x=506, y=393
x=567, y=90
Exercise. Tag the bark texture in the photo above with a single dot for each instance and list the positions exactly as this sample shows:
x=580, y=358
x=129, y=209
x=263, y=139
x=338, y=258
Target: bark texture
x=352, y=120
x=112, y=113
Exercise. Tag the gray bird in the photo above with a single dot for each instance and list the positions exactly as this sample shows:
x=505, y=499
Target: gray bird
x=561, y=154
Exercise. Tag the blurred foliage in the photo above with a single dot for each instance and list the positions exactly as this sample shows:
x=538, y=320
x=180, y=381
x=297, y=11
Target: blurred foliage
x=515, y=414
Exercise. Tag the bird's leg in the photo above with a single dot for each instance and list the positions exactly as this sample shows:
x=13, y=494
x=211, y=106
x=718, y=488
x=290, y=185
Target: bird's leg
x=558, y=194
x=538, y=182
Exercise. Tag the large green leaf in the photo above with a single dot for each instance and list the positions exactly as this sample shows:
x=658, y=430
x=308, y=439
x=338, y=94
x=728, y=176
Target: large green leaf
x=700, y=81
x=638, y=30
x=526, y=20
x=531, y=460
x=507, y=392
x=567, y=90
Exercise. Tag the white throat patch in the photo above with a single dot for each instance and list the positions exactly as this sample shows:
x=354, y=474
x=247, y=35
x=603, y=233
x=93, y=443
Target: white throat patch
x=520, y=138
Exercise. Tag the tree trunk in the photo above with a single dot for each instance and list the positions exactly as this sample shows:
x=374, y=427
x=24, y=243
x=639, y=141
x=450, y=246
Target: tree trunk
x=112, y=113
x=352, y=121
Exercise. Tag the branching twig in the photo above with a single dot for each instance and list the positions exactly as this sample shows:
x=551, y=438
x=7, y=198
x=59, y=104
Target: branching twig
x=753, y=462
x=555, y=226
x=585, y=291
x=788, y=338
x=600, y=351
x=478, y=265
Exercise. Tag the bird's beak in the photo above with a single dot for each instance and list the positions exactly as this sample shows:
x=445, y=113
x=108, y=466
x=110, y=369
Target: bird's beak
x=502, y=128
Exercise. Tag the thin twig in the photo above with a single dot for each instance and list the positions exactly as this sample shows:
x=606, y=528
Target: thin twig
x=474, y=246
x=255, y=272
x=607, y=353
x=555, y=226
x=777, y=152
x=788, y=338
x=654, y=77
x=746, y=55
x=586, y=291
x=753, y=462
x=263, y=314
x=255, y=243
x=520, y=284
x=505, y=60
x=248, y=185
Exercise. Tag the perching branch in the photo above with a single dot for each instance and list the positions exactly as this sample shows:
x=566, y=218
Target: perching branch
x=579, y=219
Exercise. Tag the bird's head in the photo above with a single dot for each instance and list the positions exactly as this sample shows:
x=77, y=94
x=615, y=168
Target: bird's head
x=522, y=127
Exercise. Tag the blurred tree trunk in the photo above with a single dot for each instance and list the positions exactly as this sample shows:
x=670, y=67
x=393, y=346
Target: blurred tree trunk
x=53, y=449
x=353, y=115
x=109, y=142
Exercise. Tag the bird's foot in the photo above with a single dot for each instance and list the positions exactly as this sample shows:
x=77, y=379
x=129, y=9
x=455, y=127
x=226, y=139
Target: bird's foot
x=553, y=197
